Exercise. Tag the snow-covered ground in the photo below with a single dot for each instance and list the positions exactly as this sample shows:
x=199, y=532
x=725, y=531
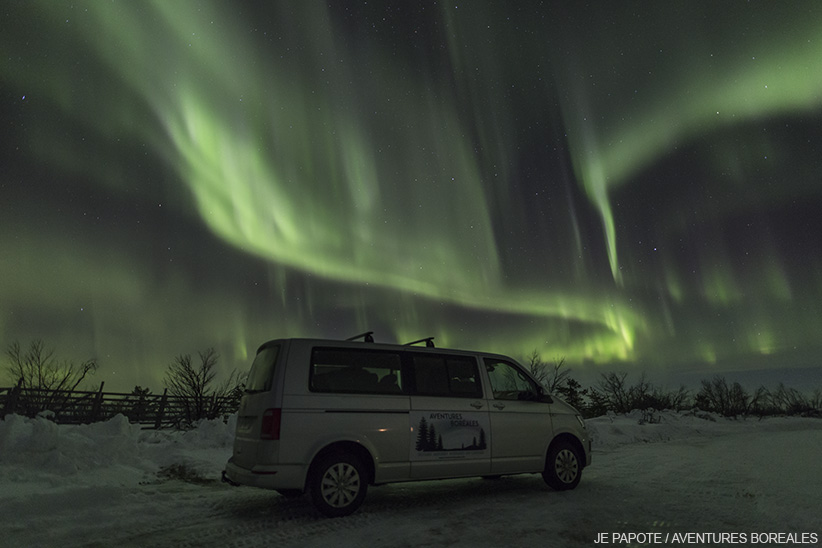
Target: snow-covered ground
x=113, y=484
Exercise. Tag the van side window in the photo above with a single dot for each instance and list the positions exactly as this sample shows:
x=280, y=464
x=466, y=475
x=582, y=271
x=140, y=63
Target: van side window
x=449, y=376
x=508, y=382
x=355, y=371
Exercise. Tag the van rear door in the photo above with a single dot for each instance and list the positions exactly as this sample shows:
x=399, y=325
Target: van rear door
x=258, y=419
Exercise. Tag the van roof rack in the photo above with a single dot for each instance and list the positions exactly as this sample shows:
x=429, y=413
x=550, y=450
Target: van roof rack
x=368, y=336
x=429, y=342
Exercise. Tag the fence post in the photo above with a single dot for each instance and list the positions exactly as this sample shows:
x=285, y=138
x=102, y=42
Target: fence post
x=98, y=403
x=159, y=421
x=11, y=399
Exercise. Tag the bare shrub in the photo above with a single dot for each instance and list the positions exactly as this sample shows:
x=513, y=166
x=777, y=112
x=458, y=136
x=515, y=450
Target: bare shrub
x=196, y=390
x=790, y=401
x=816, y=401
x=675, y=399
x=728, y=400
x=620, y=397
x=597, y=404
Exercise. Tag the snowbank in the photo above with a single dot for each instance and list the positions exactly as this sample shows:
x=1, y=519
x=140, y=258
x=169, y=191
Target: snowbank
x=37, y=454
x=612, y=431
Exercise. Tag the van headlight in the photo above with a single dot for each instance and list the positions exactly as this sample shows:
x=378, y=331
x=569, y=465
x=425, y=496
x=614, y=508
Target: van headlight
x=581, y=420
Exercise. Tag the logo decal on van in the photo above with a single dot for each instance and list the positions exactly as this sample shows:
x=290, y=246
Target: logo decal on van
x=449, y=435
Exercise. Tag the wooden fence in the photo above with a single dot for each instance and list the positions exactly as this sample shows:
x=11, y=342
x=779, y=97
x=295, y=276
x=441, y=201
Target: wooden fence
x=83, y=407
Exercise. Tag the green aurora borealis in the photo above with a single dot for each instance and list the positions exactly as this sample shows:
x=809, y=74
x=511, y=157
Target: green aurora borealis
x=633, y=185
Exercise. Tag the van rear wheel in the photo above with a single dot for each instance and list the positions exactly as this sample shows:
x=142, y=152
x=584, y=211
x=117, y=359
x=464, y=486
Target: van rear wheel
x=338, y=484
x=562, y=467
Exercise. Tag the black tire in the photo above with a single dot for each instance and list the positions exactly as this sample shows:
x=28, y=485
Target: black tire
x=338, y=484
x=290, y=493
x=563, y=467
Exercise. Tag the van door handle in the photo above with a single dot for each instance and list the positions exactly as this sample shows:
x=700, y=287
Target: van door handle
x=499, y=405
x=476, y=405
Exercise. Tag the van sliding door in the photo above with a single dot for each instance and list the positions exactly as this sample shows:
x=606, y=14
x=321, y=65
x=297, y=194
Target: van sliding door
x=449, y=422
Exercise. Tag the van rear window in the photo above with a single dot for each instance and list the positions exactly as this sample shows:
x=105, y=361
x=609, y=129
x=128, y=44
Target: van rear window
x=262, y=370
x=355, y=371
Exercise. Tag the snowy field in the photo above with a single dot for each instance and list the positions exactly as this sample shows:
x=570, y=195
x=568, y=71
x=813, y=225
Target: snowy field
x=113, y=484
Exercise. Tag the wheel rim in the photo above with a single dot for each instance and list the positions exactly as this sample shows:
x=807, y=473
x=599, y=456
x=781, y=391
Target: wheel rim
x=340, y=485
x=566, y=466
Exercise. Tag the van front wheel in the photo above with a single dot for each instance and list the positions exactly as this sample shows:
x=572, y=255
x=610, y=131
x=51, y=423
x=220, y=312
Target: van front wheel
x=562, y=467
x=338, y=484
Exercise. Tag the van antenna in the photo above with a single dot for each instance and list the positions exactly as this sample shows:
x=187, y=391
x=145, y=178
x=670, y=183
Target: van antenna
x=429, y=342
x=366, y=337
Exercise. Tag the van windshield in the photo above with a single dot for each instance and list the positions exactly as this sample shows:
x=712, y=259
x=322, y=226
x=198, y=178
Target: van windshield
x=262, y=370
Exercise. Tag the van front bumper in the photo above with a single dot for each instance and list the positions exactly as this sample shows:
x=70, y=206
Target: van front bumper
x=266, y=477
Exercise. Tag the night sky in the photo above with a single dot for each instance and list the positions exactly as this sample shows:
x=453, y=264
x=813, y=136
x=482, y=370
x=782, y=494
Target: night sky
x=630, y=185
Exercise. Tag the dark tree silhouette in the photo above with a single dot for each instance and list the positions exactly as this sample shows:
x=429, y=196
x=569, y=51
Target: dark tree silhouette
x=422, y=435
x=432, y=438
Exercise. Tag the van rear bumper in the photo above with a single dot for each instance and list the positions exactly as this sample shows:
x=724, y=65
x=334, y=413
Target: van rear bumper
x=266, y=477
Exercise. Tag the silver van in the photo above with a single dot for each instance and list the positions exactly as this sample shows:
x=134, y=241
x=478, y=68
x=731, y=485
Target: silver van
x=331, y=417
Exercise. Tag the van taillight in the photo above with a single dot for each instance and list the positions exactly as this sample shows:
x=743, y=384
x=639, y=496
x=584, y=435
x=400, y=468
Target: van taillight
x=271, y=424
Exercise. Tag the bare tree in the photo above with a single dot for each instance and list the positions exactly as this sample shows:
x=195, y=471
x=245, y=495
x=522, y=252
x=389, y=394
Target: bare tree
x=558, y=376
x=553, y=377
x=45, y=380
x=641, y=395
x=194, y=386
x=537, y=367
x=613, y=387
